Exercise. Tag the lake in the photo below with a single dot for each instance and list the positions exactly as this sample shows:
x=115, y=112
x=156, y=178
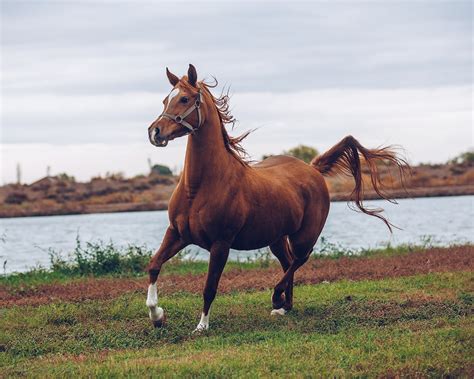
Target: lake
x=446, y=220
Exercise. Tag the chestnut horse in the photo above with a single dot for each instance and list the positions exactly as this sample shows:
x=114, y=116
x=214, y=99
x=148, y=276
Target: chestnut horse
x=222, y=202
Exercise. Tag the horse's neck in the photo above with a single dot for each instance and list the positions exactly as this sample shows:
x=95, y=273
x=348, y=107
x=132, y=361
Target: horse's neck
x=207, y=162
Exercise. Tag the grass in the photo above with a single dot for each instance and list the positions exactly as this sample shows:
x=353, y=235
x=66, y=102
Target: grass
x=413, y=326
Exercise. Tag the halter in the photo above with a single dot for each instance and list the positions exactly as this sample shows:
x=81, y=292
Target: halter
x=179, y=119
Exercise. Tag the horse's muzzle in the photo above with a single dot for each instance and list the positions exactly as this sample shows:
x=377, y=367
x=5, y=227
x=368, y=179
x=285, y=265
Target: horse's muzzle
x=155, y=138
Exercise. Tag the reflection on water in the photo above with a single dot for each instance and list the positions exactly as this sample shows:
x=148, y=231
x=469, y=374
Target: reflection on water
x=27, y=240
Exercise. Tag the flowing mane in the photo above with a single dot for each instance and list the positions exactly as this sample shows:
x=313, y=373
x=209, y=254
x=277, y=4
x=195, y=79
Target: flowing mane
x=232, y=144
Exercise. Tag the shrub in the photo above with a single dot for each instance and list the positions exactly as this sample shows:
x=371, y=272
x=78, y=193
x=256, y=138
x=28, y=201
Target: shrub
x=98, y=258
x=305, y=153
x=161, y=170
x=16, y=198
x=466, y=158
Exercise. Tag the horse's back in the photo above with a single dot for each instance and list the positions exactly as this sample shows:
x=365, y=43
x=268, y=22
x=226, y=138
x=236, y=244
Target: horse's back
x=277, y=160
x=280, y=168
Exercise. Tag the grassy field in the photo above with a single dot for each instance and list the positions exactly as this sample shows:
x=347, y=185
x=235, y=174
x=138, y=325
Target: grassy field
x=417, y=325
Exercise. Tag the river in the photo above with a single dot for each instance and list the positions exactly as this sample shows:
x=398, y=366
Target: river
x=25, y=242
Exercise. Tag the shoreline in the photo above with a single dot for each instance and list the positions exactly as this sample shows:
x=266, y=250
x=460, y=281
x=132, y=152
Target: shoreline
x=412, y=193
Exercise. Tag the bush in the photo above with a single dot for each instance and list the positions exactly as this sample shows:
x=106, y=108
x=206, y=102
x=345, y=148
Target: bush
x=161, y=170
x=98, y=258
x=305, y=153
x=65, y=178
x=466, y=158
x=16, y=198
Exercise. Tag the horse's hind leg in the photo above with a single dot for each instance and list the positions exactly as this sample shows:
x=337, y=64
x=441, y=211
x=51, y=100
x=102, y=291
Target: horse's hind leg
x=301, y=246
x=278, y=302
x=281, y=250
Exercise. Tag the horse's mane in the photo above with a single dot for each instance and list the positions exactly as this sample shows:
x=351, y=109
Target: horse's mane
x=232, y=144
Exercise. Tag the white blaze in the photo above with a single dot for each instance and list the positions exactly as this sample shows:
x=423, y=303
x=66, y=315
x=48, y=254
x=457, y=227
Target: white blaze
x=171, y=96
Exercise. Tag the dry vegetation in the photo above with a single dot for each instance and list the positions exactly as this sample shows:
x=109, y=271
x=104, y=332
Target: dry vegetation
x=63, y=195
x=423, y=181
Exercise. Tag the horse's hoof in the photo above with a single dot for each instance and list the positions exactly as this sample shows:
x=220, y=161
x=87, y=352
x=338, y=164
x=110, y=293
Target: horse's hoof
x=158, y=318
x=200, y=329
x=278, y=301
x=278, y=312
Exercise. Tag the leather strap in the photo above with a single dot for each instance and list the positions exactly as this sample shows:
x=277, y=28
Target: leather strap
x=180, y=119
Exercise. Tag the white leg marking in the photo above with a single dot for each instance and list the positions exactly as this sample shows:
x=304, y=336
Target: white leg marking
x=278, y=312
x=156, y=313
x=203, y=324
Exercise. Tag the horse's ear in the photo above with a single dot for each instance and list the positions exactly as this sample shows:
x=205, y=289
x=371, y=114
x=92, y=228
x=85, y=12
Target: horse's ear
x=192, y=75
x=172, y=77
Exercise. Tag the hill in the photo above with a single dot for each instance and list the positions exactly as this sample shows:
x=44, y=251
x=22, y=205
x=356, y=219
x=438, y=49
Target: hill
x=63, y=195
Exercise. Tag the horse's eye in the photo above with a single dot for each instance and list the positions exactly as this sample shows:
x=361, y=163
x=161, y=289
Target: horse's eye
x=184, y=100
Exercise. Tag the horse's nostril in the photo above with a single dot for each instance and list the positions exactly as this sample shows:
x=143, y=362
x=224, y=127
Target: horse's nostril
x=156, y=135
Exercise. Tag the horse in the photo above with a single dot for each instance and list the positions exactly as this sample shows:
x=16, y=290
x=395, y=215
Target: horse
x=222, y=201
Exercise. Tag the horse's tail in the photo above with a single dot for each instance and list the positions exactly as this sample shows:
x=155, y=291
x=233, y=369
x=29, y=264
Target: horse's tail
x=344, y=157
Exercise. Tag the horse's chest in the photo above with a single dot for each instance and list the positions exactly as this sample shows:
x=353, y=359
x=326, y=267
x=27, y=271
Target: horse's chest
x=204, y=225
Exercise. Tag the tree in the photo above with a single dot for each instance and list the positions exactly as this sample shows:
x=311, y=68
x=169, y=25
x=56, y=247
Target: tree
x=303, y=152
x=161, y=170
x=63, y=177
x=466, y=158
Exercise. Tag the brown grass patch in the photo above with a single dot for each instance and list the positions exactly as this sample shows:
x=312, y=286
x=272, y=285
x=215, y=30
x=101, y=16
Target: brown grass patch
x=460, y=258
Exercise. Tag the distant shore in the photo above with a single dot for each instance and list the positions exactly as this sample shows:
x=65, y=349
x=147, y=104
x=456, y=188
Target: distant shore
x=163, y=204
x=63, y=195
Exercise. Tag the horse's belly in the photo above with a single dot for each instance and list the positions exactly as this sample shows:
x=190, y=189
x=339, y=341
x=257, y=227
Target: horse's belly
x=256, y=235
x=243, y=242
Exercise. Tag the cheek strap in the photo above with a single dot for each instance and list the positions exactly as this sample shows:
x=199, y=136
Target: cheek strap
x=180, y=119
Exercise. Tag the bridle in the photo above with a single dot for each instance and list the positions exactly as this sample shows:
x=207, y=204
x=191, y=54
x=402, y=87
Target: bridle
x=180, y=119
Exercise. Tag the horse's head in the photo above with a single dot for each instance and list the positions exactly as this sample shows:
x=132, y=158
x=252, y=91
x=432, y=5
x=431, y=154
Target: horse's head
x=184, y=110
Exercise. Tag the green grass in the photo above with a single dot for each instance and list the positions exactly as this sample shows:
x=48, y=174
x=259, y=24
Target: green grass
x=413, y=326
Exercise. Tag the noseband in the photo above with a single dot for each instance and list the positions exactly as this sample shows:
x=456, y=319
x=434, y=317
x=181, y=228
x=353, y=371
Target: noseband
x=180, y=119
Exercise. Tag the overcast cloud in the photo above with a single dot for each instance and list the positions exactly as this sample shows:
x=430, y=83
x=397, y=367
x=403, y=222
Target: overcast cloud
x=81, y=81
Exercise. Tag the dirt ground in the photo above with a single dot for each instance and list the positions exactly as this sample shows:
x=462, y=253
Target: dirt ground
x=315, y=271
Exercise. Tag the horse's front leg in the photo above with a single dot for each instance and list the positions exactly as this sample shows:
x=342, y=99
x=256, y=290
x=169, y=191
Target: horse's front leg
x=170, y=246
x=217, y=261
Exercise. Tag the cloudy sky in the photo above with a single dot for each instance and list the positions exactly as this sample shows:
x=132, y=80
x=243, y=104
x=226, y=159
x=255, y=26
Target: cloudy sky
x=82, y=80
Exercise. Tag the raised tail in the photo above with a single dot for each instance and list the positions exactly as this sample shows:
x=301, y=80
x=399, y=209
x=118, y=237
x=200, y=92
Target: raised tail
x=344, y=158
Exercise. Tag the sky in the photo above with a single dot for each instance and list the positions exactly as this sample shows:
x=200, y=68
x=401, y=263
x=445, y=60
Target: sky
x=81, y=81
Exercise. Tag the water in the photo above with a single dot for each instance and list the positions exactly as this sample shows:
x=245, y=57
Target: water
x=26, y=240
